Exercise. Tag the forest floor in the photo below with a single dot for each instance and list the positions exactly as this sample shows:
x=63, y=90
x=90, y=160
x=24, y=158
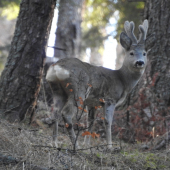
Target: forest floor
x=31, y=148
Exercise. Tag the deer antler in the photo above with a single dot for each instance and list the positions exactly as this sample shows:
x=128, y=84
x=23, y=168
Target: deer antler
x=143, y=30
x=129, y=28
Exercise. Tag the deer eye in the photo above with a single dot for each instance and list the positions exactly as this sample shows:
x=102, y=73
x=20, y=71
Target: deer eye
x=144, y=54
x=131, y=53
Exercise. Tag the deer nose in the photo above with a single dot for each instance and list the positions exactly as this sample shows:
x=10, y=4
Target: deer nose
x=139, y=64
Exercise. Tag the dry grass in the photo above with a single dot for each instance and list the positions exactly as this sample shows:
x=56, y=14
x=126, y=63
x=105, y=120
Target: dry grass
x=32, y=149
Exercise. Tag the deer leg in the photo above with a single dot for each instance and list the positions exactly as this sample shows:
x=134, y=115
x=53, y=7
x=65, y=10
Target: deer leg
x=55, y=133
x=108, y=111
x=59, y=102
x=68, y=112
x=91, y=118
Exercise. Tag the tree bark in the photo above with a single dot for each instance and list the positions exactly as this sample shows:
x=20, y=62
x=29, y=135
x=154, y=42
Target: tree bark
x=20, y=80
x=150, y=100
x=68, y=33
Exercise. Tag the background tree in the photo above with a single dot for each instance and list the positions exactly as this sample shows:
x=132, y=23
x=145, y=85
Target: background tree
x=20, y=80
x=98, y=16
x=9, y=8
x=8, y=14
x=68, y=33
x=149, y=103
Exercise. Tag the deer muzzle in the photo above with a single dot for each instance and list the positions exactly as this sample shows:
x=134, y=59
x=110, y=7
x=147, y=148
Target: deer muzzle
x=139, y=64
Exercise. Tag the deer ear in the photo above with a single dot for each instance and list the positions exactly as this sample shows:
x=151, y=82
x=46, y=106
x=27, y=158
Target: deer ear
x=125, y=41
x=149, y=42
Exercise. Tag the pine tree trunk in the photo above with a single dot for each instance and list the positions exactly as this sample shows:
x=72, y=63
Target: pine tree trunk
x=150, y=100
x=68, y=33
x=20, y=80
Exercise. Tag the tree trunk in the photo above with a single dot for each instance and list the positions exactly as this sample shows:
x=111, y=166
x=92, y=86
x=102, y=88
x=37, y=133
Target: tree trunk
x=68, y=33
x=20, y=80
x=150, y=100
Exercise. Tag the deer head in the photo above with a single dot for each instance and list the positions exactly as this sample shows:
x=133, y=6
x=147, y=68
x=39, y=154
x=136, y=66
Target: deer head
x=135, y=50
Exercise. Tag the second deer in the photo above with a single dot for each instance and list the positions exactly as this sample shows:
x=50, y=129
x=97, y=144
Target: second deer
x=72, y=80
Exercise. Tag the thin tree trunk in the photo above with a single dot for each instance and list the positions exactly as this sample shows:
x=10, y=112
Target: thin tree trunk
x=20, y=80
x=68, y=33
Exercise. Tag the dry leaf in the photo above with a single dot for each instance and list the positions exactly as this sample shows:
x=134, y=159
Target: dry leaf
x=86, y=133
x=81, y=102
x=81, y=124
x=85, y=110
x=70, y=90
x=80, y=108
x=89, y=85
x=102, y=100
x=67, y=85
x=66, y=125
x=102, y=118
x=95, y=135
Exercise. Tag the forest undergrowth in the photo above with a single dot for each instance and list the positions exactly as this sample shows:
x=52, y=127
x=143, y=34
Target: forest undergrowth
x=31, y=148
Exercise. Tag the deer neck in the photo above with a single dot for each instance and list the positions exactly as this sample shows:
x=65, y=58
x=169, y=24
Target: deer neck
x=129, y=77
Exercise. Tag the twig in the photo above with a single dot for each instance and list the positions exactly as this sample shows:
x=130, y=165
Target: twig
x=57, y=48
x=59, y=149
x=10, y=109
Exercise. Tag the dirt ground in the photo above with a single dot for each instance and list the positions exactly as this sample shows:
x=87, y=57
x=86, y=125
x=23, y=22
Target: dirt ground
x=31, y=148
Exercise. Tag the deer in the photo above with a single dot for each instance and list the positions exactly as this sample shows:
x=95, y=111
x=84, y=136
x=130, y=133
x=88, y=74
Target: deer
x=76, y=84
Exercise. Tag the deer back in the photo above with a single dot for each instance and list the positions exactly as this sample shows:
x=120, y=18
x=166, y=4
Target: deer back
x=80, y=79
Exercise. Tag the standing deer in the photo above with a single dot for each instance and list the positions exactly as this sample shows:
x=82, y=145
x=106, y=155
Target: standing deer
x=76, y=84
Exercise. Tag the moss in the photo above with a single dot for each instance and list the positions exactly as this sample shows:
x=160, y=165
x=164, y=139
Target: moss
x=100, y=155
x=148, y=160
